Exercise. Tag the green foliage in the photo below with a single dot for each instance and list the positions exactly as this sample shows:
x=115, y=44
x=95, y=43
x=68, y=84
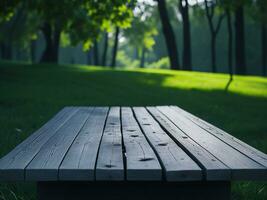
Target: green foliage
x=80, y=21
x=7, y=9
x=143, y=29
x=20, y=29
x=163, y=63
x=125, y=61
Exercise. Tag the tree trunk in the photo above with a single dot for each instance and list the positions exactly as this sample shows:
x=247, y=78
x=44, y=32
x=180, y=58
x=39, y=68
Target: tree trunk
x=115, y=48
x=230, y=48
x=33, y=50
x=213, y=53
x=2, y=49
x=169, y=35
x=6, y=51
x=104, y=56
x=187, y=63
x=96, y=63
x=136, y=54
x=240, y=41
x=230, y=41
x=143, y=57
x=56, y=42
x=52, y=39
x=263, y=48
x=90, y=57
x=214, y=29
x=47, y=32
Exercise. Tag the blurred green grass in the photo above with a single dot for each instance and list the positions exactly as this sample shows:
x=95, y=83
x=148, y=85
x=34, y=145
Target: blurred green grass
x=31, y=94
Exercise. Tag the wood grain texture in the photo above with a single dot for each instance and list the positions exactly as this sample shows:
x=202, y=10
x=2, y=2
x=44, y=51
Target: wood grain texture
x=163, y=143
x=80, y=160
x=242, y=167
x=141, y=161
x=177, y=165
x=13, y=164
x=213, y=168
x=244, y=148
x=44, y=166
x=110, y=165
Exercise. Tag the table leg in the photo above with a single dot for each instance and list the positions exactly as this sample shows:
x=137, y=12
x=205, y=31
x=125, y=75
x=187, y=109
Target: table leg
x=133, y=190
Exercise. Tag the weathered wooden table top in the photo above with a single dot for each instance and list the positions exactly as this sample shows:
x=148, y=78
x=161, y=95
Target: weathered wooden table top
x=122, y=143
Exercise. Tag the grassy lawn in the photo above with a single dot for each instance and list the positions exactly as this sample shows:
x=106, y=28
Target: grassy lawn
x=31, y=94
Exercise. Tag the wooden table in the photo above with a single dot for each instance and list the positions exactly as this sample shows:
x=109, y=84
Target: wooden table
x=159, y=152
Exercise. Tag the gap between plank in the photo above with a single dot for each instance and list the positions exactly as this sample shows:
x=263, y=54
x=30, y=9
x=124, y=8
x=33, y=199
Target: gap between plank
x=100, y=142
x=192, y=139
x=123, y=148
x=154, y=150
x=204, y=176
x=212, y=133
x=24, y=170
x=89, y=115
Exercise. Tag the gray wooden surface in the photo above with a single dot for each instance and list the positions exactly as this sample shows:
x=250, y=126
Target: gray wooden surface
x=13, y=164
x=79, y=161
x=213, y=168
x=142, y=162
x=241, y=165
x=110, y=159
x=250, y=151
x=177, y=165
x=163, y=143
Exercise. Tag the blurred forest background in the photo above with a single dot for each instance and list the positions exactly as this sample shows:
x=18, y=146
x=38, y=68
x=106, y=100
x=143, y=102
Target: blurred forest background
x=200, y=35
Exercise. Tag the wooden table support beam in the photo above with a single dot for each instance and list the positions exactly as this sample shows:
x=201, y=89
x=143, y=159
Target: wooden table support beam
x=219, y=190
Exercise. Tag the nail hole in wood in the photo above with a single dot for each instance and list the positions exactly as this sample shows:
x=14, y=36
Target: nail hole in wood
x=145, y=159
x=109, y=166
x=146, y=124
x=134, y=135
x=163, y=144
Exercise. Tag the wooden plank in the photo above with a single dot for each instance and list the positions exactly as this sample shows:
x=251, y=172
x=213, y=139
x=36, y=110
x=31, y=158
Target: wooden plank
x=141, y=161
x=177, y=165
x=242, y=147
x=214, y=169
x=242, y=167
x=79, y=162
x=110, y=159
x=44, y=166
x=13, y=164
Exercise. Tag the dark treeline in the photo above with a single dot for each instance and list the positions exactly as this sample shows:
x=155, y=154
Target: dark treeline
x=204, y=35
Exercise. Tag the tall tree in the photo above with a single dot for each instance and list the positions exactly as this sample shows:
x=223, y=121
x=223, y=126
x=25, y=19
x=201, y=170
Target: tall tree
x=214, y=29
x=230, y=46
x=142, y=63
x=264, y=48
x=259, y=14
x=105, y=49
x=59, y=16
x=90, y=56
x=169, y=35
x=240, y=55
x=115, y=47
x=51, y=34
x=96, y=63
x=184, y=10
